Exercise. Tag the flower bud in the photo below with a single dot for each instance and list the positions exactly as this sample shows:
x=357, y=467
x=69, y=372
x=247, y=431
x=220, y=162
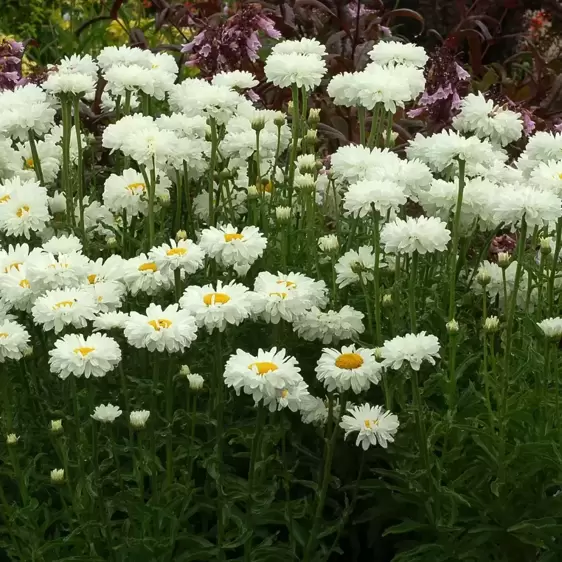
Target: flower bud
x=491, y=324
x=111, y=242
x=57, y=475
x=329, y=244
x=164, y=199
x=138, y=418
x=504, y=259
x=483, y=277
x=181, y=235
x=56, y=426
x=378, y=353
x=28, y=351
x=195, y=381
x=252, y=192
x=546, y=247
x=290, y=108
x=452, y=326
x=283, y=214
x=185, y=370
x=224, y=174
x=279, y=119
x=387, y=300
x=306, y=182
x=12, y=439
x=313, y=117
x=258, y=122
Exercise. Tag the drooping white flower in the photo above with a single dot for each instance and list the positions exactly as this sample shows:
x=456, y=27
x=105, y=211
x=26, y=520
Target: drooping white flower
x=215, y=308
x=60, y=307
x=411, y=348
x=355, y=265
x=373, y=425
x=262, y=375
x=168, y=329
x=422, y=235
x=106, y=413
x=91, y=356
x=14, y=340
x=348, y=368
x=330, y=326
x=184, y=255
x=47, y=271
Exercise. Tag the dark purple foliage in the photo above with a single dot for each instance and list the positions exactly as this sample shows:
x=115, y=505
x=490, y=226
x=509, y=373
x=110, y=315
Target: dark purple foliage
x=11, y=53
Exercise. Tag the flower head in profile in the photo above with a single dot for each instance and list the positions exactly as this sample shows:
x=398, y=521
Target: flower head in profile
x=330, y=326
x=394, y=52
x=551, y=328
x=355, y=266
x=303, y=70
x=411, y=348
x=348, y=368
x=14, y=340
x=214, y=308
x=63, y=244
x=373, y=425
x=138, y=418
x=168, y=329
x=382, y=195
x=141, y=274
x=106, y=413
x=184, y=255
x=232, y=248
x=91, y=356
x=422, y=235
x=262, y=375
x=110, y=321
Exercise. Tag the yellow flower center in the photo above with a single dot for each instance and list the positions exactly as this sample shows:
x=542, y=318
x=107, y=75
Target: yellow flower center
x=4, y=199
x=160, y=323
x=29, y=163
x=284, y=393
x=150, y=266
x=349, y=361
x=233, y=236
x=288, y=284
x=176, y=252
x=132, y=187
x=83, y=351
x=15, y=265
x=4, y=334
x=215, y=298
x=22, y=210
x=263, y=367
x=369, y=423
x=62, y=304
x=560, y=176
x=92, y=278
x=24, y=284
x=276, y=294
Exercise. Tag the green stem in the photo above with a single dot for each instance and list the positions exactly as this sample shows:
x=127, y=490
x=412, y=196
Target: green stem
x=80, y=170
x=219, y=408
x=287, y=485
x=486, y=374
x=552, y=277
x=455, y=242
x=35, y=157
x=388, y=139
x=177, y=219
x=412, y=291
x=170, y=418
x=294, y=145
x=361, y=117
x=65, y=170
x=374, y=133
x=14, y=459
x=212, y=165
x=254, y=457
x=151, y=197
x=376, y=274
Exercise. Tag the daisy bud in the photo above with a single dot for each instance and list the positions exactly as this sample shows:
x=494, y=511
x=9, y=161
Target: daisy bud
x=56, y=426
x=504, y=259
x=546, y=248
x=330, y=174
x=28, y=351
x=378, y=353
x=138, y=418
x=483, y=277
x=491, y=324
x=12, y=439
x=452, y=326
x=283, y=214
x=252, y=192
x=313, y=117
x=112, y=242
x=195, y=381
x=329, y=244
x=208, y=133
x=305, y=181
x=290, y=108
x=57, y=475
x=185, y=370
x=164, y=199
x=387, y=300
x=306, y=163
x=57, y=203
x=181, y=235
x=258, y=123
x=310, y=138
x=225, y=174
x=279, y=119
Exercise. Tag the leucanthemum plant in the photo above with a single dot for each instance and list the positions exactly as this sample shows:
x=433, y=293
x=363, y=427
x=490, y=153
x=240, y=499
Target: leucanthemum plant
x=379, y=325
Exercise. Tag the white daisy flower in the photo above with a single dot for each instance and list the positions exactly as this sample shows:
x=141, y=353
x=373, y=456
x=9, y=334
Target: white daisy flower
x=26, y=210
x=422, y=235
x=17, y=289
x=168, y=329
x=138, y=418
x=183, y=254
x=141, y=274
x=74, y=83
x=350, y=368
x=109, y=270
x=16, y=256
x=303, y=46
x=383, y=195
x=330, y=326
x=262, y=375
x=232, y=248
x=110, y=321
x=61, y=307
x=285, y=69
x=50, y=156
x=13, y=340
x=53, y=272
x=107, y=295
x=551, y=327
x=288, y=296
x=215, y=308
x=63, y=244
x=237, y=79
x=373, y=425
x=291, y=397
x=394, y=52
x=315, y=411
x=355, y=265
x=91, y=356
x=106, y=413
x=411, y=348
x=195, y=381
